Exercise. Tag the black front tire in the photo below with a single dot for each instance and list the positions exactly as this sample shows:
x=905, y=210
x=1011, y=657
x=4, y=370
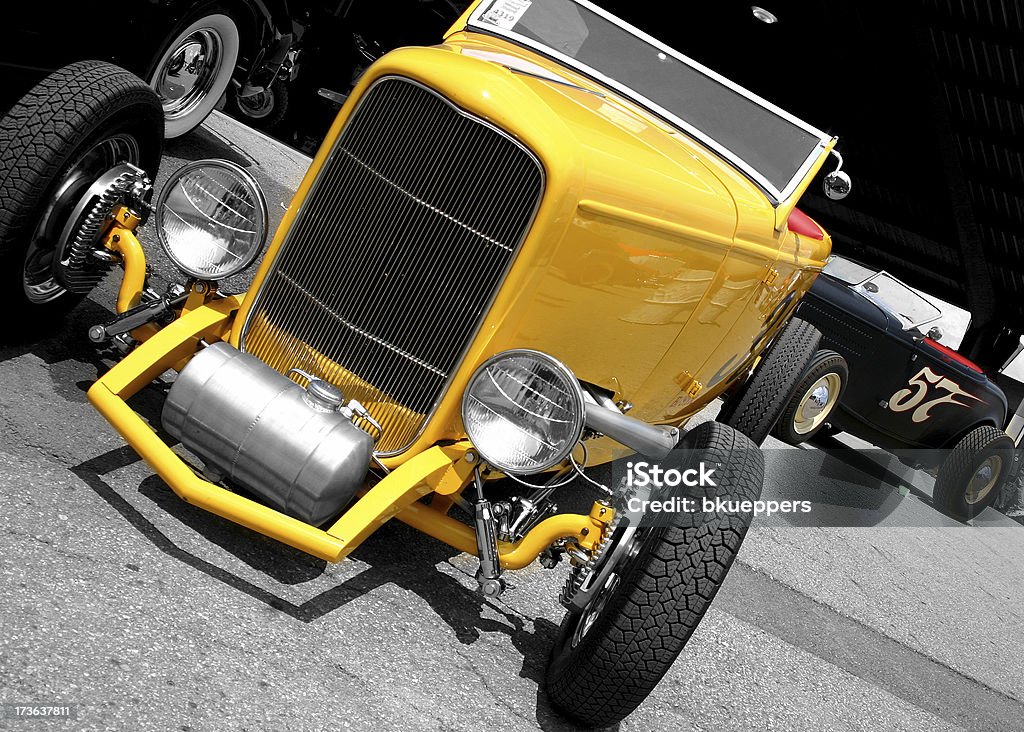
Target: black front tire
x=68, y=130
x=603, y=667
x=759, y=403
x=827, y=371
x=972, y=475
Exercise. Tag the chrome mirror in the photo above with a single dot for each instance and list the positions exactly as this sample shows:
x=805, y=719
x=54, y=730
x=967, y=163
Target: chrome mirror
x=935, y=333
x=837, y=184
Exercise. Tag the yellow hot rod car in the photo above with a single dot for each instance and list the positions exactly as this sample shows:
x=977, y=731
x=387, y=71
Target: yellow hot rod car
x=505, y=243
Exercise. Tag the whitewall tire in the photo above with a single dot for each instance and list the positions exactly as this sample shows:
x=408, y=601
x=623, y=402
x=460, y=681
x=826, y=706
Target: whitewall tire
x=194, y=70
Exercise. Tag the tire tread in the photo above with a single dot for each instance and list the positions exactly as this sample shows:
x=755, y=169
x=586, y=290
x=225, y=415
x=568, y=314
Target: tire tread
x=758, y=406
x=959, y=465
x=663, y=601
x=39, y=137
x=35, y=133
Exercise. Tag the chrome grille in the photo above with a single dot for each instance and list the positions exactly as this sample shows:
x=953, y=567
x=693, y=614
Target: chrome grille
x=396, y=254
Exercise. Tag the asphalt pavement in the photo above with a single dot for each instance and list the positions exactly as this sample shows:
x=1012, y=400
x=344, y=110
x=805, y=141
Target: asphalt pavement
x=149, y=614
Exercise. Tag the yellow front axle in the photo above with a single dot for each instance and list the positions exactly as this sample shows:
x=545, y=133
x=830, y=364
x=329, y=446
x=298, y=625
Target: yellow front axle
x=441, y=470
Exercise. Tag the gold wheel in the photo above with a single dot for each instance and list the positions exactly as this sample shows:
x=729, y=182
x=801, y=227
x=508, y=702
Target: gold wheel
x=983, y=480
x=817, y=403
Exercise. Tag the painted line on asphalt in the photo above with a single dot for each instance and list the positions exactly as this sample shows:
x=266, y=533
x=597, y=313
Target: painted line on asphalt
x=795, y=618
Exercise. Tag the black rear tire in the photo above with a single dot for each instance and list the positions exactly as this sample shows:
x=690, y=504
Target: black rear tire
x=828, y=371
x=758, y=405
x=603, y=667
x=48, y=140
x=972, y=475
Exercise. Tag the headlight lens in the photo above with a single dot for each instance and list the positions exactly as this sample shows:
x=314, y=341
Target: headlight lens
x=211, y=218
x=523, y=411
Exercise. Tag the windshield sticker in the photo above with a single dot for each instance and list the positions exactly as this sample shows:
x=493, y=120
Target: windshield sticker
x=506, y=13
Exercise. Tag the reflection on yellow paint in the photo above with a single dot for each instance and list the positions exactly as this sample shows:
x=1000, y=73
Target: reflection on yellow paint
x=647, y=254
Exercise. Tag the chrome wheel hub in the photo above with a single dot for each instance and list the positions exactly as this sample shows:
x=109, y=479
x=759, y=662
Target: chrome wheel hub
x=190, y=72
x=983, y=480
x=817, y=403
x=46, y=245
x=818, y=399
x=258, y=105
x=602, y=578
x=594, y=610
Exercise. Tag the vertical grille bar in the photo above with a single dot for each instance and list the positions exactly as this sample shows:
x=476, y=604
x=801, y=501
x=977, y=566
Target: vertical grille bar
x=396, y=254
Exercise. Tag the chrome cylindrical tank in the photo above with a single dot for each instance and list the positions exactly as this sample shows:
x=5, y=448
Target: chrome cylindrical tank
x=287, y=444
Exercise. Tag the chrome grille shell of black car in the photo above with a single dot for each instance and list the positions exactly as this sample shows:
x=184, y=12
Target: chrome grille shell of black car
x=396, y=254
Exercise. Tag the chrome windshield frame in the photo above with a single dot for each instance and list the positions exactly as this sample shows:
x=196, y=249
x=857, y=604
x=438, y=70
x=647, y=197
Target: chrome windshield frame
x=775, y=195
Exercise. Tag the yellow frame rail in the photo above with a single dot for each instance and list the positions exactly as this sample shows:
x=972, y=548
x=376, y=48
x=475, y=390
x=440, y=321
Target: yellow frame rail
x=443, y=470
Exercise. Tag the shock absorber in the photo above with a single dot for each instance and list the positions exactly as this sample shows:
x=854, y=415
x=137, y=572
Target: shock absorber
x=488, y=576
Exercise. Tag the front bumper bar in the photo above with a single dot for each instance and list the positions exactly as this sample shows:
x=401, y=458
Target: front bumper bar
x=442, y=470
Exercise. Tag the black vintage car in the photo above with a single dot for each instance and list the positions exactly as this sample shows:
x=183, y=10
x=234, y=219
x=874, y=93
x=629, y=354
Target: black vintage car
x=341, y=38
x=883, y=376
x=195, y=50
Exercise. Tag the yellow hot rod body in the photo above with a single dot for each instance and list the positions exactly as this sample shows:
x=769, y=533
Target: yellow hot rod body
x=502, y=247
x=651, y=267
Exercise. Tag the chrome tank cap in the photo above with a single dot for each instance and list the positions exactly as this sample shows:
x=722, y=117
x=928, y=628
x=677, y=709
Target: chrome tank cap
x=320, y=394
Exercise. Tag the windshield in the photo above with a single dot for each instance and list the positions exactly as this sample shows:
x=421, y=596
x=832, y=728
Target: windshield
x=847, y=270
x=911, y=307
x=771, y=147
x=906, y=304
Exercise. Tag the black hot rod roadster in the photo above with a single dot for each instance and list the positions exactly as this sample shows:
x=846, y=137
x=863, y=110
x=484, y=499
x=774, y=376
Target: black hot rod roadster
x=884, y=376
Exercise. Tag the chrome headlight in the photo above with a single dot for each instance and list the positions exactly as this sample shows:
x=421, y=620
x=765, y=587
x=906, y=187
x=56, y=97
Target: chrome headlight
x=523, y=411
x=211, y=218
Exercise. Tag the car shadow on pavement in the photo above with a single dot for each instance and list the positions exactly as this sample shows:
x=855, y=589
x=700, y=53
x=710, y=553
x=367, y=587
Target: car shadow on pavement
x=385, y=552
x=847, y=486
x=64, y=349
x=275, y=560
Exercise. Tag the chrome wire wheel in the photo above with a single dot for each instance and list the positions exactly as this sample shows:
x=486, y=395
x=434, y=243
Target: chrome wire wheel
x=984, y=480
x=817, y=403
x=619, y=557
x=38, y=276
x=194, y=71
